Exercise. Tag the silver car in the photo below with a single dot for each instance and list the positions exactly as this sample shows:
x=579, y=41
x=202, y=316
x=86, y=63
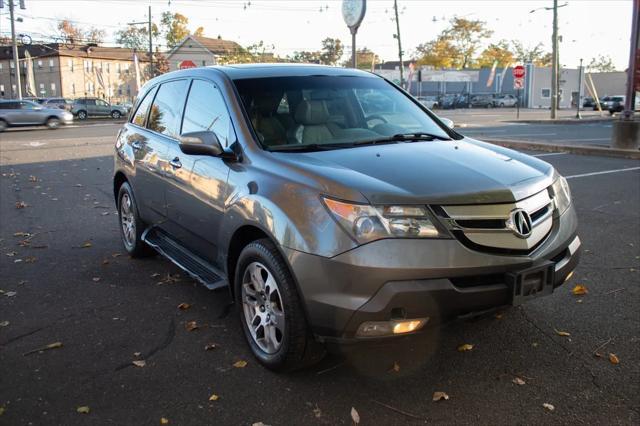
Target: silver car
x=28, y=113
x=334, y=206
x=96, y=107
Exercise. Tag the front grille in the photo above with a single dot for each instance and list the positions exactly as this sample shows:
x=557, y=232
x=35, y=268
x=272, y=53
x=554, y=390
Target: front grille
x=481, y=224
x=477, y=280
x=539, y=213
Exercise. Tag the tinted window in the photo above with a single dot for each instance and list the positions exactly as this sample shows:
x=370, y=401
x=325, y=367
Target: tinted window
x=100, y=102
x=90, y=102
x=143, y=108
x=28, y=105
x=206, y=110
x=166, y=109
x=8, y=105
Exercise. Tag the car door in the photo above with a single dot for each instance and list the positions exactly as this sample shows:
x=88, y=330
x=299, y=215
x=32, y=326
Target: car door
x=27, y=114
x=90, y=104
x=197, y=192
x=102, y=107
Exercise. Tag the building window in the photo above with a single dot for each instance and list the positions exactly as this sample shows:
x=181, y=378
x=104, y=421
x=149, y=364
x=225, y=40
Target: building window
x=204, y=63
x=73, y=89
x=118, y=69
x=1, y=65
x=119, y=91
x=13, y=88
x=39, y=63
x=53, y=88
x=546, y=93
x=106, y=66
x=50, y=63
x=42, y=91
x=126, y=67
x=70, y=64
x=1, y=89
x=128, y=90
x=12, y=65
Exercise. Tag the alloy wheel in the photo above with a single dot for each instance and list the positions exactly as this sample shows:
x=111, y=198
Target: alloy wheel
x=127, y=221
x=262, y=307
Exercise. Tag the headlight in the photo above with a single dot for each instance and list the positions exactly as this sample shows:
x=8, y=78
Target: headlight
x=368, y=223
x=561, y=194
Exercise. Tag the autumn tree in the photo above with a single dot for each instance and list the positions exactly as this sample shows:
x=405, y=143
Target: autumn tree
x=331, y=52
x=174, y=27
x=499, y=52
x=602, y=63
x=70, y=32
x=466, y=36
x=306, y=57
x=438, y=53
x=535, y=55
x=199, y=32
x=137, y=37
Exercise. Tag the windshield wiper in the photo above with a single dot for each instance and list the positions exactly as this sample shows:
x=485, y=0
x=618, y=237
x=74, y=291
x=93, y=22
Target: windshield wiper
x=403, y=137
x=309, y=147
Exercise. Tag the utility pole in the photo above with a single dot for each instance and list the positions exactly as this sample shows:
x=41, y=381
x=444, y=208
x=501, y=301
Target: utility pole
x=395, y=6
x=632, y=71
x=151, y=70
x=16, y=58
x=554, y=62
x=578, y=116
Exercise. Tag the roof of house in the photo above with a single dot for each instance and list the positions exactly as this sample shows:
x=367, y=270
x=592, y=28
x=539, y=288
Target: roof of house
x=217, y=46
x=40, y=50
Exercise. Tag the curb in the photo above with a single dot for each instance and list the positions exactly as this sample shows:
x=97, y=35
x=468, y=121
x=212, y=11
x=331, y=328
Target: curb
x=562, y=121
x=571, y=149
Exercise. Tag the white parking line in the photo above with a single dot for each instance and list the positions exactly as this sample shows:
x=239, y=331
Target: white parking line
x=534, y=134
x=550, y=153
x=584, y=140
x=603, y=172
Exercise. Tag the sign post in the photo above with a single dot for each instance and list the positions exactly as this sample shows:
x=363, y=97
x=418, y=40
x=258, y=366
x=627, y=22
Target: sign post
x=353, y=13
x=518, y=84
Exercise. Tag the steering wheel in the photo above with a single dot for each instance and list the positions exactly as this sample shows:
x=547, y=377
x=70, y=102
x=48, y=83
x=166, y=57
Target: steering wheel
x=373, y=117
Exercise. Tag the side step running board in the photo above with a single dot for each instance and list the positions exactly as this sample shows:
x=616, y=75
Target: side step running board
x=193, y=265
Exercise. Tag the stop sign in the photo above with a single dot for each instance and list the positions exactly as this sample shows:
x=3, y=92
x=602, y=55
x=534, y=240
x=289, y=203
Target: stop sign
x=183, y=65
x=518, y=71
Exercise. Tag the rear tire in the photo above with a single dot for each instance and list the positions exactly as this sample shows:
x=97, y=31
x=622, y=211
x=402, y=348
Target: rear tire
x=131, y=226
x=115, y=115
x=3, y=125
x=82, y=115
x=285, y=344
x=53, y=123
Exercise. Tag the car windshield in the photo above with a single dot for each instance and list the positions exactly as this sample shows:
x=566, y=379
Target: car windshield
x=338, y=111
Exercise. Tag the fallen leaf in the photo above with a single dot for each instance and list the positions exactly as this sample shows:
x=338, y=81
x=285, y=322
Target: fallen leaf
x=116, y=255
x=498, y=315
x=164, y=421
x=83, y=410
x=54, y=345
x=21, y=205
x=2, y=410
x=535, y=344
x=518, y=381
x=184, y=306
x=355, y=416
x=104, y=213
x=395, y=367
x=317, y=412
x=12, y=253
x=437, y=396
x=22, y=234
x=33, y=178
x=86, y=244
x=191, y=325
x=10, y=293
x=562, y=333
x=137, y=354
x=614, y=358
x=4, y=323
x=95, y=279
x=155, y=275
x=214, y=397
x=30, y=259
x=210, y=346
x=139, y=363
x=548, y=406
x=579, y=290
x=105, y=262
x=240, y=364
x=465, y=347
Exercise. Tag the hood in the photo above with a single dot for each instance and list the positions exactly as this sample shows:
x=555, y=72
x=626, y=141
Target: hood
x=437, y=172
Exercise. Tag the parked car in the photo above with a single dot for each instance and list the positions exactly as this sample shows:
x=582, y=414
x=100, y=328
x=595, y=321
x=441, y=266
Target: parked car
x=61, y=103
x=34, y=99
x=482, y=101
x=615, y=104
x=505, y=101
x=333, y=224
x=588, y=102
x=96, y=107
x=453, y=101
x=15, y=113
x=430, y=102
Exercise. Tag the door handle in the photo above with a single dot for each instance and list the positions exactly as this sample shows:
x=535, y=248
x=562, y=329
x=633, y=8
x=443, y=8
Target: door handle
x=175, y=163
x=136, y=145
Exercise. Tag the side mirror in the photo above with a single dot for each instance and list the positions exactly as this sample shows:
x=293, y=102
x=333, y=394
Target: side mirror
x=447, y=122
x=204, y=143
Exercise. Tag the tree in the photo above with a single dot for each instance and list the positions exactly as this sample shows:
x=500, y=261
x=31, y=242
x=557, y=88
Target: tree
x=174, y=26
x=160, y=63
x=536, y=54
x=306, y=57
x=199, y=32
x=466, y=36
x=331, y=52
x=439, y=53
x=496, y=52
x=601, y=64
x=94, y=35
x=70, y=32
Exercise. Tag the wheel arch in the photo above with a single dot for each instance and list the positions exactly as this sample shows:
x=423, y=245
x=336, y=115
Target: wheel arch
x=118, y=179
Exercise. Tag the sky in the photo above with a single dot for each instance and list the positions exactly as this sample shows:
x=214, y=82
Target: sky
x=588, y=27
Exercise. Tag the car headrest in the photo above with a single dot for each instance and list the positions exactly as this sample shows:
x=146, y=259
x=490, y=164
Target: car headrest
x=312, y=112
x=267, y=104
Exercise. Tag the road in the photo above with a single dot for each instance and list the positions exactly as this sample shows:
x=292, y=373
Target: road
x=496, y=124
x=64, y=278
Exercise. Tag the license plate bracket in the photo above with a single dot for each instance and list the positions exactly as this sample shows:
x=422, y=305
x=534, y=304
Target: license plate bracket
x=531, y=283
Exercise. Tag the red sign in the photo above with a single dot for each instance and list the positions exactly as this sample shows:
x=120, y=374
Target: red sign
x=518, y=83
x=183, y=65
x=518, y=71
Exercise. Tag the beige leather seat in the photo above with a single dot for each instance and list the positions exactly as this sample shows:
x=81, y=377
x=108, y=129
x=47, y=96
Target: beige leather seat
x=265, y=122
x=312, y=123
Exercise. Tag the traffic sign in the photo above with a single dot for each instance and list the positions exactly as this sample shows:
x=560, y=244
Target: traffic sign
x=518, y=83
x=518, y=71
x=183, y=65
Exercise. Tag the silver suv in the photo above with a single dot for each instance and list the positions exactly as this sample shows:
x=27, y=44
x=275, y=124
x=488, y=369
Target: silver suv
x=329, y=216
x=96, y=107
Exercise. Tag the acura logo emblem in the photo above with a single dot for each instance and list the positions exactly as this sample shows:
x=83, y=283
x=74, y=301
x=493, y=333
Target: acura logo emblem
x=520, y=223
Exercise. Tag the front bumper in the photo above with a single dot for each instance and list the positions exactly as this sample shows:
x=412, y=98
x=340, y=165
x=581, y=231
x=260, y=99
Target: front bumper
x=411, y=278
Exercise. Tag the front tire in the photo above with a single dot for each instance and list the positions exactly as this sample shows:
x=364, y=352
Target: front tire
x=82, y=115
x=53, y=123
x=115, y=115
x=3, y=125
x=131, y=226
x=270, y=310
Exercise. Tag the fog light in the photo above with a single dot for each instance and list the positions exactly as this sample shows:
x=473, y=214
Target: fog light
x=388, y=328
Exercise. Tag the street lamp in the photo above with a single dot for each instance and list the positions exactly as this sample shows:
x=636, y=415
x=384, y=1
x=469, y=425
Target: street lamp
x=554, y=56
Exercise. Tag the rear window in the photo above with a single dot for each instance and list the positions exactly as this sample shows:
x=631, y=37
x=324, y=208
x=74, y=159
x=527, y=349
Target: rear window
x=141, y=112
x=166, y=110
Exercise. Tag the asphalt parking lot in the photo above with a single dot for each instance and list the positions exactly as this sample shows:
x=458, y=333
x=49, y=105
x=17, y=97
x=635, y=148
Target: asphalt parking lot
x=64, y=278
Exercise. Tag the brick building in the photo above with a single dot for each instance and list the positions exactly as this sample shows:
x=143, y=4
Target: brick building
x=74, y=71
